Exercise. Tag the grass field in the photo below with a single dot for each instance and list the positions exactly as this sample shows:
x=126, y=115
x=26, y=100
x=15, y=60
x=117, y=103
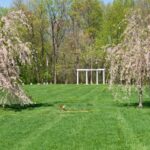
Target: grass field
x=93, y=121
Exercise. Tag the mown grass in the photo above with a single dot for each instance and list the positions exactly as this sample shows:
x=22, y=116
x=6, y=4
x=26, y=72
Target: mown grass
x=92, y=121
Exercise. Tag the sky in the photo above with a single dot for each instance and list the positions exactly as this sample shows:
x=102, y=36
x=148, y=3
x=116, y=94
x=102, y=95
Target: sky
x=7, y=3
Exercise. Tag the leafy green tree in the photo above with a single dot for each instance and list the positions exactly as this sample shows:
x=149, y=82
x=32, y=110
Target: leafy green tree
x=3, y=11
x=41, y=49
x=113, y=22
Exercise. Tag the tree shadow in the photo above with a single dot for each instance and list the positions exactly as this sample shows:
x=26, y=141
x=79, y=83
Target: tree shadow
x=16, y=107
x=146, y=104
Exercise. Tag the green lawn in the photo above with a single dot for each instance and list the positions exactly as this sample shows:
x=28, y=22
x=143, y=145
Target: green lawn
x=93, y=121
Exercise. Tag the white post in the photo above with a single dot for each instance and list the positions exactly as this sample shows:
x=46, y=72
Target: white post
x=104, y=76
x=77, y=77
x=90, y=70
x=86, y=77
x=97, y=77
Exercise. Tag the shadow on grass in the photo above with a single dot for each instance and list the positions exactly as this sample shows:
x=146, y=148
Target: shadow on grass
x=16, y=107
x=57, y=104
x=146, y=104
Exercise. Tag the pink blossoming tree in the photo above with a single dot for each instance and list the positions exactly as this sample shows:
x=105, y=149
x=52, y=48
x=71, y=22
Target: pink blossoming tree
x=130, y=60
x=12, y=50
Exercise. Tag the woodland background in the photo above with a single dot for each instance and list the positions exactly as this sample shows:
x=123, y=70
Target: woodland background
x=70, y=34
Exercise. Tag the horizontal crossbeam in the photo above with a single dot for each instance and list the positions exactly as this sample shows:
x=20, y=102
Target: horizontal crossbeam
x=90, y=69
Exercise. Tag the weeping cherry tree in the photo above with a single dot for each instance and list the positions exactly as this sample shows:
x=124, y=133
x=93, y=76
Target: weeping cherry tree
x=130, y=60
x=13, y=51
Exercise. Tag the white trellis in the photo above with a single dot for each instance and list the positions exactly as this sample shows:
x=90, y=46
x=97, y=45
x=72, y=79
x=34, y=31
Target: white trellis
x=89, y=70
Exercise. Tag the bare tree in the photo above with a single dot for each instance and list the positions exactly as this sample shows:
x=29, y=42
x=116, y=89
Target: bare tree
x=57, y=19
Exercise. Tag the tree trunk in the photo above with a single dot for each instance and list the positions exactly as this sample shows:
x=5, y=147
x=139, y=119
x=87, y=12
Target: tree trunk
x=54, y=52
x=91, y=80
x=55, y=75
x=140, y=97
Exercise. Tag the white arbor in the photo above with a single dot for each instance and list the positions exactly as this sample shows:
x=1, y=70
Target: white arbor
x=89, y=70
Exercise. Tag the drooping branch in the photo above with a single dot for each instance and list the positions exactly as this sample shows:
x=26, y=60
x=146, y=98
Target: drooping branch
x=130, y=60
x=13, y=49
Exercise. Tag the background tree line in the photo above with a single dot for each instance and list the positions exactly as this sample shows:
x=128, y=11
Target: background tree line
x=70, y=34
